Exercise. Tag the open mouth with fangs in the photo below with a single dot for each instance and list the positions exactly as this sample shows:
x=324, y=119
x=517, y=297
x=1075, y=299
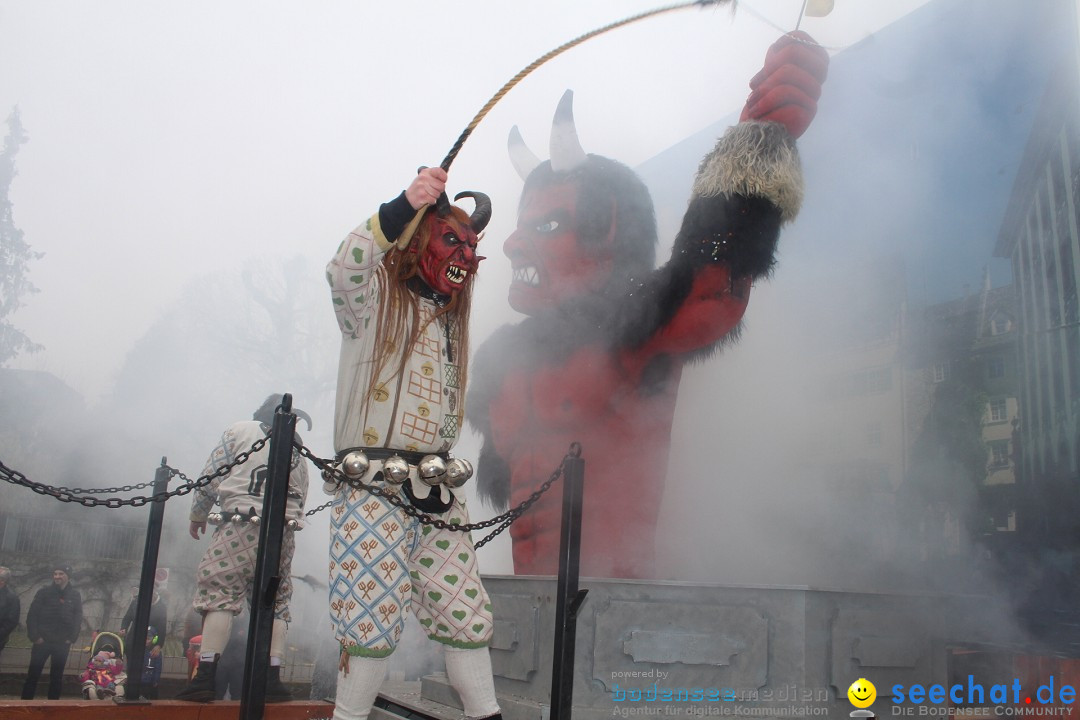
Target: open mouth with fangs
x=456, y=275
x=528, y=275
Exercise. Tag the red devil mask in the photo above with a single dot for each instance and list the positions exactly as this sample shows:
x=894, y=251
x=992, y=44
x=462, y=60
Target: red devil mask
x=450, y=256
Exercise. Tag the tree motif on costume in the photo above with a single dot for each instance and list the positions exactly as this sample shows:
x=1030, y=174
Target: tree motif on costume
x=402, y=285
x=599, y=358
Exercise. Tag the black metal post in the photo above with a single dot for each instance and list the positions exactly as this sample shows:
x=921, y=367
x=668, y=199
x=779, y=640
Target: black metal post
x=135, y=644
x=268, y=563
x=568, y=598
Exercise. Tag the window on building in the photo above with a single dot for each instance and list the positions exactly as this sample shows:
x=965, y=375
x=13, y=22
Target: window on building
x=873, y=381
x=995, y=366
x=999, y=454
x=941, y=372
x=1076, y=181
x=998, y=410
x=1000, y=324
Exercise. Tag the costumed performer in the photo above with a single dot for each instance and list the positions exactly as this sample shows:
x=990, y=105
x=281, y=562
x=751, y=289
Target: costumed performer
x=402, y=287
x=227, y=570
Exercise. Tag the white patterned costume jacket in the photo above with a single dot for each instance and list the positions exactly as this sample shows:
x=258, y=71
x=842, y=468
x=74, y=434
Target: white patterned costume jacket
x=382, y=561
x=227, y=569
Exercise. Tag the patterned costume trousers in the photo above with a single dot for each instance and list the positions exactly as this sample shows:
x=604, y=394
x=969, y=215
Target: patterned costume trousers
x=227, y=570
x=382, y=562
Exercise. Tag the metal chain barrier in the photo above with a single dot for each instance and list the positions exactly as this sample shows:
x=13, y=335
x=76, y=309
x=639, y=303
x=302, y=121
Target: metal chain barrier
x=78, y=495
x=319, y=509
x=102, y=491
x=331, y=472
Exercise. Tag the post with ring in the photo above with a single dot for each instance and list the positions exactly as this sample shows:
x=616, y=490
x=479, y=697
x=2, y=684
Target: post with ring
x=135, y=644
x=268, y=564
x=568, y=597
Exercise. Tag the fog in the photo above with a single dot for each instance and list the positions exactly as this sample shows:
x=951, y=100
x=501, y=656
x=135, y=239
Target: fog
x=191, y=167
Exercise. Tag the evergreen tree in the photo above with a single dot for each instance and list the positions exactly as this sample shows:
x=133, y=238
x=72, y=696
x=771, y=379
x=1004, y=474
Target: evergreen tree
x=15, y=253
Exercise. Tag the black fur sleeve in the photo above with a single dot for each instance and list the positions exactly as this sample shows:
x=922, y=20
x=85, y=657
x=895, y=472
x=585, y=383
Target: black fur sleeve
x=741, y=232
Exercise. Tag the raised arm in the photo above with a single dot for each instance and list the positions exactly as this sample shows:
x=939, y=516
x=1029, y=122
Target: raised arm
x=745, y=190
x=353, y=268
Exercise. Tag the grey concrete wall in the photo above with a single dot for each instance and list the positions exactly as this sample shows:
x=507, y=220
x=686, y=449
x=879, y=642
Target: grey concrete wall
x=732, y=647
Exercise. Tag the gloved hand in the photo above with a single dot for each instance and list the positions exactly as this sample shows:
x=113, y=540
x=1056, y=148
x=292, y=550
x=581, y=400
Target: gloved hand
x=787, y=88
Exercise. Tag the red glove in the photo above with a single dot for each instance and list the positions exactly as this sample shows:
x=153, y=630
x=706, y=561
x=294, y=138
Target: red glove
x=786, y=90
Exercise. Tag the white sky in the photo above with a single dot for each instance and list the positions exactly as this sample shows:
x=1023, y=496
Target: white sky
x=170, y=140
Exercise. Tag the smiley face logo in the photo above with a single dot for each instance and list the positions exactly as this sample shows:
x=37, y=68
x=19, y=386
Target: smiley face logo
x=862, y=693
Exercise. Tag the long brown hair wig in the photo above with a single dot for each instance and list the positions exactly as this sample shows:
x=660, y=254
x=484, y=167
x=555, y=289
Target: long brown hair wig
x=399, y=315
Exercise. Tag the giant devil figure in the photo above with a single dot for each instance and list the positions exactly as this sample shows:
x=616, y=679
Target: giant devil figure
x=599, y=357
x=402, y=288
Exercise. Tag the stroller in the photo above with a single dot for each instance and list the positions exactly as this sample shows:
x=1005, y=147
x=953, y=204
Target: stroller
x=104, y=676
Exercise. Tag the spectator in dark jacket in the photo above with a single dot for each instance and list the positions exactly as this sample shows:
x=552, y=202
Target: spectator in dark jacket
x=9, y=607
x=53, y=623
x=159, y=617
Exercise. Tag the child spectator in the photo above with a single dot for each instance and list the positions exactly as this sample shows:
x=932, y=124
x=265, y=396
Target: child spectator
x=104, y=675
x=151, y=667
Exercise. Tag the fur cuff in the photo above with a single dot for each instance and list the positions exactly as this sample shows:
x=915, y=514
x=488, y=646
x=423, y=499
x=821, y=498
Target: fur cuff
x=754, y=158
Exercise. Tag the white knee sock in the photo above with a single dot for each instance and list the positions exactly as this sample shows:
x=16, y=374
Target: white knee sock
x=277, y=641
x=215, y=633
x=469, y=672
x=356, y=691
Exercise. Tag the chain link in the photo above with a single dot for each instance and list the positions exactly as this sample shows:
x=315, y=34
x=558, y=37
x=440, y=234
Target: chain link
x=102, y=491
x=76, y=495
x=328, y=468
x=503, y=521
x=319, y=509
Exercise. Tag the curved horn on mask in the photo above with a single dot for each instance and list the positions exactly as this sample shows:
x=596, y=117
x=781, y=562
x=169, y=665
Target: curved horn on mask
x=523, y=159
x=566, y=150
x=266, y=411
x=442, y=205
x=303, y=416
x=481, y=213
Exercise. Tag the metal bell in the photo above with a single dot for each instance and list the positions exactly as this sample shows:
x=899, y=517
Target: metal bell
x=254, y=519
x=355, y=465
x=292, y=525
x=458, y=472
x=395, y=470
x=237, y=518
x=214, y=518
x=432, y=468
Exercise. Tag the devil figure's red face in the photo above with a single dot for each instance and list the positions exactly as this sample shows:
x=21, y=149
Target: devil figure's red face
x=450, y=256
x=551, y=264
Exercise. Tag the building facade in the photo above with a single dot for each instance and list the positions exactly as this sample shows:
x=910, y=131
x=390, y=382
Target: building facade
x=1040, y=236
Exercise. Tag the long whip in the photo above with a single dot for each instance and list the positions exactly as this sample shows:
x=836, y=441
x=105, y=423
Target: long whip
x=553, y=53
